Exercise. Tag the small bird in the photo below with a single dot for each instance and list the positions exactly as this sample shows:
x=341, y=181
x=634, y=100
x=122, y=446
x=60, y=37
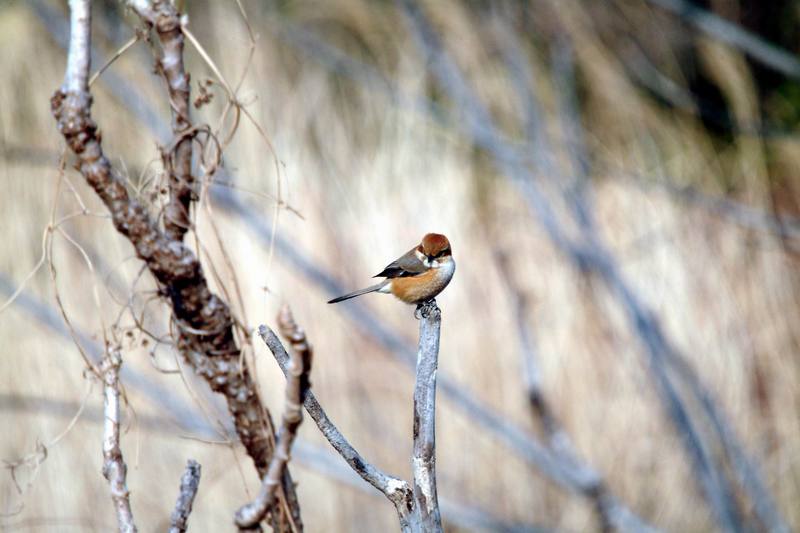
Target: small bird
x=416, y=277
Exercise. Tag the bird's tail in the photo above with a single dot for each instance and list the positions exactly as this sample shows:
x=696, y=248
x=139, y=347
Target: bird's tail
x=372, y=288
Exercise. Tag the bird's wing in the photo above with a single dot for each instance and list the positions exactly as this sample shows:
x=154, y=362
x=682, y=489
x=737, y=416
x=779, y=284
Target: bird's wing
x=407, y=265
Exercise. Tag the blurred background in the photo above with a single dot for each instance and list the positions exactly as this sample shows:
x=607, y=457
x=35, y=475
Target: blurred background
x=618, y=180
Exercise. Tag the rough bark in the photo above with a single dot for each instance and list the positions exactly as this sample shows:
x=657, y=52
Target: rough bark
x=204, y=321
x=190, y=481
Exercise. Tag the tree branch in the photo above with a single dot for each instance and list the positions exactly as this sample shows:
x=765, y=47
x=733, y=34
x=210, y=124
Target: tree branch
x=320, y=459
x=76, y=76
x=588, y=253
x=297, y=387
x=114, y=468
x=423, y=460
x=190, y=481
x=165, y=19
x=396, y=490
x=336, y=60
x=728, y=32
x=205, y=323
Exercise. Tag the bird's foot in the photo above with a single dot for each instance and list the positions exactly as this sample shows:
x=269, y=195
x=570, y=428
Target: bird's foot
x=426, y=309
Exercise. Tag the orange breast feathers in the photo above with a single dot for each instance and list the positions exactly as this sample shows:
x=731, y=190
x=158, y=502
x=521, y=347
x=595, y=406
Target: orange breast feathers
x=422, y=287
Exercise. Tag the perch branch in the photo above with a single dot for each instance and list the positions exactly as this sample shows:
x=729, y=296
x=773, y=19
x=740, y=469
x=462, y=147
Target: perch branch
x=498, y=426
x=114, y=468
x=297, y=386
x=205, y=336
x=396, y=490
x=322, y=460
x=183, y=507
x=423, y=460
x=588, y=253
x=337, y=61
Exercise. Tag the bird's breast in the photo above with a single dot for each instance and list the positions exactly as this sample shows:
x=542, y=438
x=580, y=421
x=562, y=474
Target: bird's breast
x=423, y=287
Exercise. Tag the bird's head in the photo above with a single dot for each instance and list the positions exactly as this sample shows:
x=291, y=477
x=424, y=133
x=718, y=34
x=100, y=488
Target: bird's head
x=436, y=249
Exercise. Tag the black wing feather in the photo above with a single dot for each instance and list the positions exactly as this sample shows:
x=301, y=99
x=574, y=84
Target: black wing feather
x=406, y=266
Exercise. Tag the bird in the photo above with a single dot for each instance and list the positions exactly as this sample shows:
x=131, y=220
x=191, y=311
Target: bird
x=417, y=276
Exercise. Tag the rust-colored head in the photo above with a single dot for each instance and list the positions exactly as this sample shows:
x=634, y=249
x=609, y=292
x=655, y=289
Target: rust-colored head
x=435, y=245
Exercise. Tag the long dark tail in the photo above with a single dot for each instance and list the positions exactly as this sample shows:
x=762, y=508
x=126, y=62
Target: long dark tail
x=373, y=288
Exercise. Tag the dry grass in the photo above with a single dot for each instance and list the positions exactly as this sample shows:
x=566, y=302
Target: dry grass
x=369, y=179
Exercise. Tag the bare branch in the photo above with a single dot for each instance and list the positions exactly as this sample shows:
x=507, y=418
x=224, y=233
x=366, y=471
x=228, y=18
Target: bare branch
x=190, y=481
x=297, y=386
x=734, y=35
x=121, y=88
x=608, y=510
x=166, y=21
x=77, y=73
x=522, y=442
x=205, y=322
x=589, y=254
x=396, y=490
x=114, y=468
x=423, y=461
x=322, y=460
x=336, y=60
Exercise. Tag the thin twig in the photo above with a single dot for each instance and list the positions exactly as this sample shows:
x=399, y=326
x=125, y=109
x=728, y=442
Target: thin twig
x=190, y=481
x=114, y=468
x=124, y=48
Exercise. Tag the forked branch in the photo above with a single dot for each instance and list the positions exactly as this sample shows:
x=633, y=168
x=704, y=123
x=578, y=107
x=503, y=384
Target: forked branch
x=297, y=388
x=205, y=323
x=396, y=490
x=417, y=508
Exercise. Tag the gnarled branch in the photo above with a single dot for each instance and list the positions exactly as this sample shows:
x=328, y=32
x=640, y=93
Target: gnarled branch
x=205, y=323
